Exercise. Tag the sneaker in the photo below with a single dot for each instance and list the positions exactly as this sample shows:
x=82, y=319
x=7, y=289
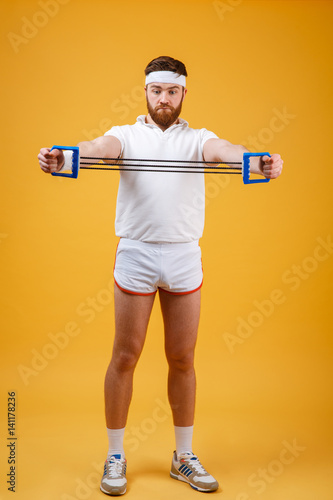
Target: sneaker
x=114, y=480
x=188, y=468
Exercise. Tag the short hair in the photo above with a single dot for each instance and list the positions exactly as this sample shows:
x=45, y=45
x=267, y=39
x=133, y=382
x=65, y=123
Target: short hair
x=166, y=63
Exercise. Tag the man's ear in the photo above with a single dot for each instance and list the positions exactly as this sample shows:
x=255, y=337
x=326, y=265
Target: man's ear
x=184, y=93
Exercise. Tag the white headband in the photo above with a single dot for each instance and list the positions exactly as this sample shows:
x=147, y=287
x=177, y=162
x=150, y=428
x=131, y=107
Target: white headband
x=166, y=77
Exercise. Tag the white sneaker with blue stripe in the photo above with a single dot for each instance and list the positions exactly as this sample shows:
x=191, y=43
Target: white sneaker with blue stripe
x=187, y=467
x=114, y=480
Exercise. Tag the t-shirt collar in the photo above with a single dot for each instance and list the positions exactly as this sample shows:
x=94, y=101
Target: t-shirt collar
x=142, y=120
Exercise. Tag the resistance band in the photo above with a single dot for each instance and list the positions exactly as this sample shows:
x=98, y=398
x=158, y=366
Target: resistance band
x=166, y=166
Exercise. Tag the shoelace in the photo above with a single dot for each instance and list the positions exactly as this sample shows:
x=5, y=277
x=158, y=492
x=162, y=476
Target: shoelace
x=115, y=468
x=195, y=463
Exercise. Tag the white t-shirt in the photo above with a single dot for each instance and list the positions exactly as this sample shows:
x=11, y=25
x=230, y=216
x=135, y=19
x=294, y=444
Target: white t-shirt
x=160, y=207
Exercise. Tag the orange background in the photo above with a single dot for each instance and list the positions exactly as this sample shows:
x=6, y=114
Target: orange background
x=260, y=74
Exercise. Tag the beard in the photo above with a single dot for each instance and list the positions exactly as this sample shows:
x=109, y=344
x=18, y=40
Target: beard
x=164, y=116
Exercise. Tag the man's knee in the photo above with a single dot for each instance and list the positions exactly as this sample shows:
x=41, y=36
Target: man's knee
x=125, y=359
x=181, y=361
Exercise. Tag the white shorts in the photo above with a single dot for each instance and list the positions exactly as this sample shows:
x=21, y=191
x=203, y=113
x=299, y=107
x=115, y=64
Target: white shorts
x=143, y=268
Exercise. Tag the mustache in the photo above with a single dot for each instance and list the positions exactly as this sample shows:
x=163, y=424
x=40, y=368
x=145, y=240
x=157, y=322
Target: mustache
x=165, y=107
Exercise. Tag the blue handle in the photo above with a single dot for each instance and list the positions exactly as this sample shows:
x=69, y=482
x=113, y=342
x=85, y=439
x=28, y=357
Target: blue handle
x=75, y=162
x=246, y=168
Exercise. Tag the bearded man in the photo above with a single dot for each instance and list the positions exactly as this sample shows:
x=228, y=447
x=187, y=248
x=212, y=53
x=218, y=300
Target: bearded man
x=159, y=225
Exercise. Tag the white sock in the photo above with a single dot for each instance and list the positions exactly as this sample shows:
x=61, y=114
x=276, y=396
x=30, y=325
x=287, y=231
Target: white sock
x=183, y=439
x=116, y=439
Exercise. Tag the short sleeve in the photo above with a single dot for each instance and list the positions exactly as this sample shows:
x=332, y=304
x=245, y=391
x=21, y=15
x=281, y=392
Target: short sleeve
x=117, y=132
x=205, y=135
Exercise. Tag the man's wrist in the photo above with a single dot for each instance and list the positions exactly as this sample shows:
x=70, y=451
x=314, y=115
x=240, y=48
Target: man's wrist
x=256, y=165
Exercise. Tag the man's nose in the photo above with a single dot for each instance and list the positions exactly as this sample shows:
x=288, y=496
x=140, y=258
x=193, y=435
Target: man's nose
x=164, y=98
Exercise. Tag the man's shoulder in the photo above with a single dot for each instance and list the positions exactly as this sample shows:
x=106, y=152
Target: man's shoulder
x=202, y=132
x=120, y=129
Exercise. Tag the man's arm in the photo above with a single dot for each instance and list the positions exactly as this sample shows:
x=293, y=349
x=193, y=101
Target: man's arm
x=220, y=150
x=106, y=146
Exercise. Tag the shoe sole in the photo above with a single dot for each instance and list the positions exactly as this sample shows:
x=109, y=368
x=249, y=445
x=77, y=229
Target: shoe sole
x=181, y=478
x=115, y=493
